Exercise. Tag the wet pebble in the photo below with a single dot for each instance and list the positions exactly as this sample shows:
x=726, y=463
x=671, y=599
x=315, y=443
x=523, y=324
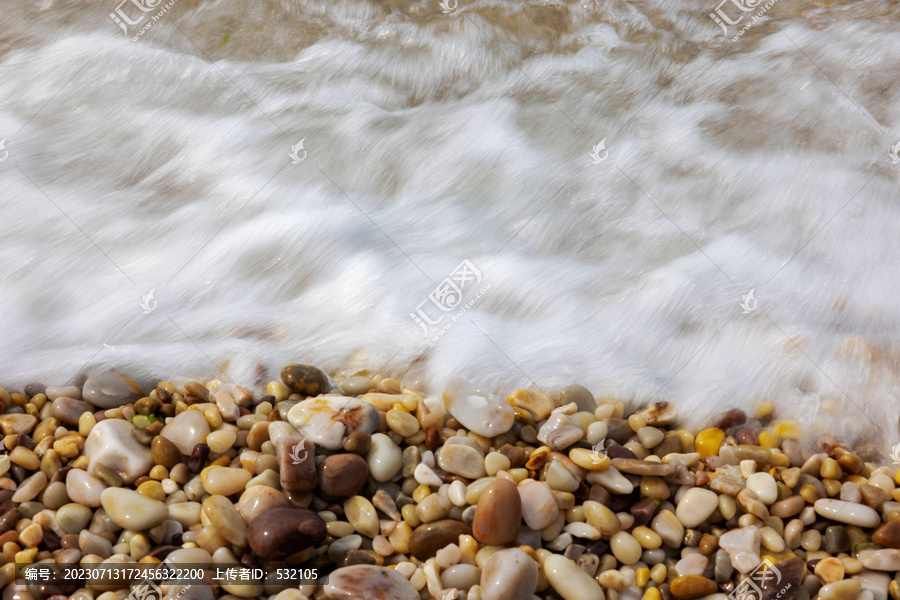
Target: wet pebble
x=296, y=464
x=342, y=475
x=187, y=430
x=69, y=410
x=306, y=380
x=369, y=582
x=509, y=575
x=498, y=514
x=109, y=389
x=282, y=531
x=475, y=410
x=328, y=421
x=111, y=445
x=131, y=510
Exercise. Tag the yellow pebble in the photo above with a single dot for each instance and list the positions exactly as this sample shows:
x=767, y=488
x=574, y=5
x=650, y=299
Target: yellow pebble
x=708, y=441
x=636, y=422
x=767, y=439
x=651, y=593
x=687, y=440
x=764, y=410
x=789, y=430
x=420, y=493
x=642, y=576
x=152, y=489
x=894, y=589
x=658, y=573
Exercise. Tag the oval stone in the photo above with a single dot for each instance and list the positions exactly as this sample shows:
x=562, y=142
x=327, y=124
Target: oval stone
x=328, y=421
x=475, y=410
x=847, y=512
x=368, y=582
x=109, y=389
x=297, y=464
x=285, y=530
x=111, y=445
x=69, y=410
x=258, y=499
x=696, y=506
x=342, y=475
x=385, y=459
x=83, y=488
x=304, y=379
x=539, y=508
x=131, y=510
x=461, y=460
x=509, y=575
x=427, y=539
x=688, y=587
x=569, y=580
x=498, y=514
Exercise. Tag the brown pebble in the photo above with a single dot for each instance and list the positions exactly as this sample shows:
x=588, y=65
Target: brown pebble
x=342, y=475
x=516, y=455
x=304, y=379
x=888, y=535
x=428, y=538
x=33, y=389
x=258, y=434
x=358, y=442
x=708, y=544
x=198, y=458
x=69, y=410
x=618, y=430
x=8, y=519
x=745, y=436
x=790, y=506
x=284, y=530
x=498, y=514
x=789, y=586
x=164, y=452
x=147, y=406
x=297, y=464
x=69, y=540
x=730, y=418
x=50, y=541
x=643, y=511
x=600, y=494
x=433, y=439
x=687, y=587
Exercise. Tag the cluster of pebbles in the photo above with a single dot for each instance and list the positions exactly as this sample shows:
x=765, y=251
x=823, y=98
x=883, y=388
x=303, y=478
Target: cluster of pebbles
x=397, y=496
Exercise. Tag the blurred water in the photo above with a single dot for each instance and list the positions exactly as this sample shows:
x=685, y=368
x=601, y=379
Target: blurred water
x=164, y=165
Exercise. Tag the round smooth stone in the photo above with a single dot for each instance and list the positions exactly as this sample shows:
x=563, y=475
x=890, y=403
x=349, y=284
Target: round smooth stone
x=224, y=517
x=112, y=445
x=498, y=514
x=886, y=559
x=385, y=459
x=258, y=499
x=83, y=488
x=285, y=530
x=428, y=538
x=186, y=431
x=369, y=582
x=670, y=529
x=539, y=508
x=570, y=581
x=601, y=518
x=131, y=510
x=461, y=577
x=625, y=548
x=509, y=575
x=765, y=487
x=69, y=410
x=847, y=512
x=847, y=589
x=362, y=515
x=225, y=481
x=476, y=410
x=462, y=460
x=888, y=535
x=221, y=441
x=357, y=385
x=109, y=389
x=306, y=380
x=328, y=421
x=342, y=475
x=164, y=452
x=72, y=518
x=580, y=395
x=696, y=506
x=650, y=437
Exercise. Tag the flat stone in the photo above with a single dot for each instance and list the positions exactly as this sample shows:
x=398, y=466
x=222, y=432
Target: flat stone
x=225, y=480
x=69, y=410
x=509, y=575
x=847, y=512
x=186, y=431
x=886, y=559
x=297, y=464
x=131, y=510
x=83, y=488
x=461, y=460
x=285, y=530
x=17, y=423
x=692, y=564
x=569, y=581
x=112, y=445
x=109, y=389
x=539, y=508
x=696, y=506
x=498, y=514
x=428, y=538
x=475, y=410
x=369, y=582
x=646, y=468
x=687, y=587
x=847, y=589
x=329, y=420
x=742, y=546
x=305, y=379
x=257, y=500
x=342, y=475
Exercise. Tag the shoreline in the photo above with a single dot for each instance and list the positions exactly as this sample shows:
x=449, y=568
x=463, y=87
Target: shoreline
x=386, y=491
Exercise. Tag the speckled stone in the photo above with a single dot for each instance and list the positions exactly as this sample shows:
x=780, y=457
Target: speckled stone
x=328, y=421
x=304, y=379
x=369, y=582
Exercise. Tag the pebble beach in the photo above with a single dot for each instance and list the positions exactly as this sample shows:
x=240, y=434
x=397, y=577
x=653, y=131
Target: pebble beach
x=379, y=492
